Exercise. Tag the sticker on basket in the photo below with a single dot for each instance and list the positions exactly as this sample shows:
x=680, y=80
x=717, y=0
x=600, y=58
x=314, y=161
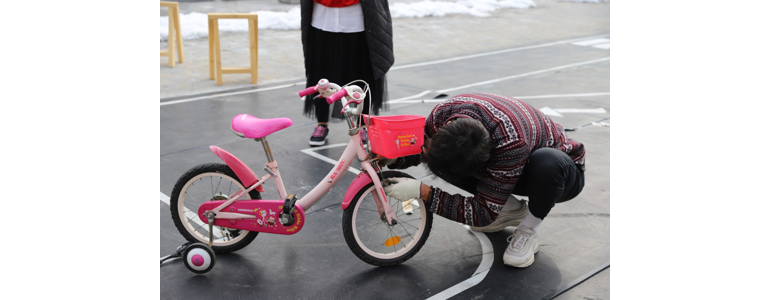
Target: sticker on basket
x=392, y=241
x=405, y=140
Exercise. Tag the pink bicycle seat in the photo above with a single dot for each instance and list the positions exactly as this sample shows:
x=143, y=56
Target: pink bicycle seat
x=255, y=128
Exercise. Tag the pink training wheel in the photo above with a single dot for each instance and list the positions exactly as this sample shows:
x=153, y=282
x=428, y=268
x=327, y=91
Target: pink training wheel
x=199, y=258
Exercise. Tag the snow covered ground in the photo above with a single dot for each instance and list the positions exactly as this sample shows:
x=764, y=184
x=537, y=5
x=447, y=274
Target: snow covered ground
x=195, y=25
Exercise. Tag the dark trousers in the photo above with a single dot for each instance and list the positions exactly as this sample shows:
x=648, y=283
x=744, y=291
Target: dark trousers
x=549, y=177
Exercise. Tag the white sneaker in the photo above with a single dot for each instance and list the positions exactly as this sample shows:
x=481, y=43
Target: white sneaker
x=522, y=248
x=505, y=219
x=407, y=207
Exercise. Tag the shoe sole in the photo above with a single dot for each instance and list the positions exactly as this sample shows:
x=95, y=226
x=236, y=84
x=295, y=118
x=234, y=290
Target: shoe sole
x=525, y=264
x=318, y=143
x=496, y=227
x=488, y=229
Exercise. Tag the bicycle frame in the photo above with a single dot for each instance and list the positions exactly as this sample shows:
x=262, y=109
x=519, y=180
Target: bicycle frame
x=355, y=149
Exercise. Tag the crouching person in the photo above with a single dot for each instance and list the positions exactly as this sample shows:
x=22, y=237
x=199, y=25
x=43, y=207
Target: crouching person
x=494, y=146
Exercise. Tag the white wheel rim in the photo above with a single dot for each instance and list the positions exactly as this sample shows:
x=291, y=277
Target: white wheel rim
x=402, y=217
x=190, y=219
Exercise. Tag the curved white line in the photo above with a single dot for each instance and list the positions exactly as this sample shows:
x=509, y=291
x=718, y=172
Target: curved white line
x=486, y=263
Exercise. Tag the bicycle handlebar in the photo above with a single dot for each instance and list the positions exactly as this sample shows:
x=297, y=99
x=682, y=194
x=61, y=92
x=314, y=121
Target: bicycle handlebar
x=337, y=96
x=308, y=91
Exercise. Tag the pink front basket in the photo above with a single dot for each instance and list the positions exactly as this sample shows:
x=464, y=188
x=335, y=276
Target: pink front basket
x=396, y=136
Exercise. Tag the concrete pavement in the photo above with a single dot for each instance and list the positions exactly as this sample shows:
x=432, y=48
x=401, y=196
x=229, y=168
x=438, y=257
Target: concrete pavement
x=415, y=40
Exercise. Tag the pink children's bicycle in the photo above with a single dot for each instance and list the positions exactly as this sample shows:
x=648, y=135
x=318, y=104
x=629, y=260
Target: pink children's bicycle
x=218, y=207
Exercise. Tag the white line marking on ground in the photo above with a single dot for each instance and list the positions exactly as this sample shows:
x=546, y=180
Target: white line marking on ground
x=548, y=111
x=311, y=152
x=394, y=68
x=165, y=199
x=516, y=97
x=602, y=46
x=410, y=97
x=493, y=53
x=562, y=96
x=190, y=214
x=487, y=259
x=599, y=110
x=592, y=42
x=558, y=111
x=231, y=94
x=526, y=74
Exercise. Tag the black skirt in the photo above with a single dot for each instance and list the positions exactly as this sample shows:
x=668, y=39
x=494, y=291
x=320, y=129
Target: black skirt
x=340, y=58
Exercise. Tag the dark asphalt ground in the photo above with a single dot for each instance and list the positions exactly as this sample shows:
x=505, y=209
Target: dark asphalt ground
x=317, y=264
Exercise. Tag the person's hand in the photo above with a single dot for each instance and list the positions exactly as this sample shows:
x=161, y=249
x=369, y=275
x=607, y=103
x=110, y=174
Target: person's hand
x=387, y=161
x=403, y=189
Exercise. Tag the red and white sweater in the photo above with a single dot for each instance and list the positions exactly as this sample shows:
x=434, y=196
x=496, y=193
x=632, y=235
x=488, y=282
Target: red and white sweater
x=516, y=129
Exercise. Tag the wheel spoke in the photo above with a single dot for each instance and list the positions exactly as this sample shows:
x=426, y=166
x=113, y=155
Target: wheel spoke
x=390, y=230
x=407, y=231
x=370, y=237
x=197, y=202
x=211, y=181
x=218, y=183
x=202, y=190
x=407, y=223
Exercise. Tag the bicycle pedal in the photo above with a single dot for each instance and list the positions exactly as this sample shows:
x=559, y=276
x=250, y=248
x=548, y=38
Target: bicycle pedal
x=287, y=216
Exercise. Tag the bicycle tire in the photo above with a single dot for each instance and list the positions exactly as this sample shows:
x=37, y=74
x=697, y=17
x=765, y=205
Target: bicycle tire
x=373, y=253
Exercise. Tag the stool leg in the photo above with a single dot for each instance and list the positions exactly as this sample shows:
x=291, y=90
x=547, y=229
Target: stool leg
x=178, y=30
x=171, y=38
x=211, y=49
x=253, y=49
x=218, y=52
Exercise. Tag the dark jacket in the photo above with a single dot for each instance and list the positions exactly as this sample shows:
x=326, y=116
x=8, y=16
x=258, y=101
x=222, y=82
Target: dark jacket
x=378, y=28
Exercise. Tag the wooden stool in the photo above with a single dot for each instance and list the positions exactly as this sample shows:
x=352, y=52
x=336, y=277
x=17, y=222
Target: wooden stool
x=174, y=33
x=215, y=55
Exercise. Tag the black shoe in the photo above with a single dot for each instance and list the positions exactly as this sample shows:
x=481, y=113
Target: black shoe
x=319, y=136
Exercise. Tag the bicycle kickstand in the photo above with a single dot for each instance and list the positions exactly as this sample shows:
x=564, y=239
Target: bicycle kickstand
x=210, y=217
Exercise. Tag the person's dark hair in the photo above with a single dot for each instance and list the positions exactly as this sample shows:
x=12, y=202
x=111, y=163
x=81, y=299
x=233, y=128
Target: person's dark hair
x=459, y=149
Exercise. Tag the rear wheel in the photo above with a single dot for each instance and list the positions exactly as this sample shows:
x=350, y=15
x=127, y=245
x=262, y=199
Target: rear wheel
x=369, y=236
x=208, y=182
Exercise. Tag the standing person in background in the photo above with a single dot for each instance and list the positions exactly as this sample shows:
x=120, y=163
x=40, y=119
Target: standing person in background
x=345, y=40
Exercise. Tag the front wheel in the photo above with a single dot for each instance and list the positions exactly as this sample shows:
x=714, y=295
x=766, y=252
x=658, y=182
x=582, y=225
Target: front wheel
x=369, y=236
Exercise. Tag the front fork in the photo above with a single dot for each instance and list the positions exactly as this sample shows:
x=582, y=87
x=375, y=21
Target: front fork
x=380, y=199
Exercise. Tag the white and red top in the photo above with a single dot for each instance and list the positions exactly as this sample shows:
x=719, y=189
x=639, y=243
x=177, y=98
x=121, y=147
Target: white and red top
x=338, y=16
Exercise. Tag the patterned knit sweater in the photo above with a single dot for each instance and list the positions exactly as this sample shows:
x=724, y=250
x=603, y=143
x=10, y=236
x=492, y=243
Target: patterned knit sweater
x=516, y=129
